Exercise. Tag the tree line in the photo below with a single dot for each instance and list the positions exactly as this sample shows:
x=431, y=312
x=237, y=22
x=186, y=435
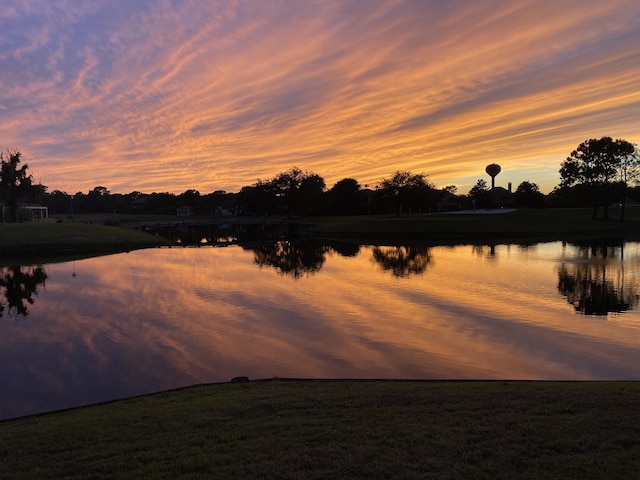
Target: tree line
x=293, y=193
x=598, y=173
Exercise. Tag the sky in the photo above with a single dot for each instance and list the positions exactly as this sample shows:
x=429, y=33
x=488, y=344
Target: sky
x=171, y=95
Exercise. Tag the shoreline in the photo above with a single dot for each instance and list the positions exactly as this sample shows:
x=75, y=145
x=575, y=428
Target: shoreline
x=245, y=381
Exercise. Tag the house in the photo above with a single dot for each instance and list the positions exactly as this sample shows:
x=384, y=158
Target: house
x=501, y=197
x=448, y=203
x=137, y=205
x=184, y=211
x=224, y=212
x=37, y=211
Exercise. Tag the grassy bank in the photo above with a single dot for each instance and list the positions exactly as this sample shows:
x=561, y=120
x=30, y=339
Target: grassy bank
x=521, y=225
x=339, y=429
x=50, y=241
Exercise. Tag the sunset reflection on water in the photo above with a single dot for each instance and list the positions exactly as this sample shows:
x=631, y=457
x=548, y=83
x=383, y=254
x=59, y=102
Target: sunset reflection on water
x=156, y=319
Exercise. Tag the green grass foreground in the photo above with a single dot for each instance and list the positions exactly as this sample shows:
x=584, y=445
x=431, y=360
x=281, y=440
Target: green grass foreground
x=305, y=429
x=50, y=241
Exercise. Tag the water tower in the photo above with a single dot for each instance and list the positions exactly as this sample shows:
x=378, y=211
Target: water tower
x=493, y=170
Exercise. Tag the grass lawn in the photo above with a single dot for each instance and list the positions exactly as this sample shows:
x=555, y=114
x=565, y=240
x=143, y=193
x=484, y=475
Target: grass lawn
x=519, y=226
x=339, y=429
x=49, y=241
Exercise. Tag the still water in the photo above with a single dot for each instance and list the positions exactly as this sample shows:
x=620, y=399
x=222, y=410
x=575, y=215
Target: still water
x=121, y=325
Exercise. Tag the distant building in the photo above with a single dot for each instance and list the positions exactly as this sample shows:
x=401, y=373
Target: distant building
x=184, y=211
x=37, y=211
x=501, y=197
x=448, y=203
x=224, y=212
x=137, y=205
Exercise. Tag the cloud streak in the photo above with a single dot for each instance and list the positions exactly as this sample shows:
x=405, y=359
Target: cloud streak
x=166, y=96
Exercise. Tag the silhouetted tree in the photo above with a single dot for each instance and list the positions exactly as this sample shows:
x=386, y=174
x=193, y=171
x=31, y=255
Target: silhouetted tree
x=448, y=198
x=595, y=164
x=191, y=198
x=15, y=183
x=257, y=199
x=309, y=194
x=57, y=202
x=528, y=195
x=299, y=190
x=343, y=198
x=479, y=194
x=628, y=169
x=219, y=199
x=97, y=200
x=405, y=188
x=293, y=192
x=161, y=203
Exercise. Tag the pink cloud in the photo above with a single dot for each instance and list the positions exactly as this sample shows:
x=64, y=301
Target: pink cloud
x=152, y=96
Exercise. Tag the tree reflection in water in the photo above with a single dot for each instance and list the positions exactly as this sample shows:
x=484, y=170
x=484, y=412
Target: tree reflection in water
x=17, y=286
x=345, y=249
x=595, y=284
x=294, y=258
x=403, y=261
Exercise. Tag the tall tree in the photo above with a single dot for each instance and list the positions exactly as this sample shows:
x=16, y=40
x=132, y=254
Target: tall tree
x=479, y=194
x=257, y=199
x=299, y=190
x=15, y=183
x=344, y=197
x=528, y=194
x=594, y=164
x=406, y=188
x=98, y=200
x=628, y=169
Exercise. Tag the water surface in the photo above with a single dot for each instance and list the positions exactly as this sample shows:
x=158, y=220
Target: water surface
x=128, y=324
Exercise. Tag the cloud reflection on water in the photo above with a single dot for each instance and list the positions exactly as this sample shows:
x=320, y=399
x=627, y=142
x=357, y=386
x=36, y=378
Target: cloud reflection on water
x=155, y=319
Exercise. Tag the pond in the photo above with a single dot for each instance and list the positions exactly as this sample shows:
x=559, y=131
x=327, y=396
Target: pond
x=122, y=325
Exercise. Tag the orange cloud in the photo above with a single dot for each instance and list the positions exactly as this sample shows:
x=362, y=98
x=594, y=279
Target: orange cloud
x=154, y=97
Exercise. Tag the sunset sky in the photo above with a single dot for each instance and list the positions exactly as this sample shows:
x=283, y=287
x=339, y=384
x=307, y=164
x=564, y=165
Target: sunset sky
x=165, y=96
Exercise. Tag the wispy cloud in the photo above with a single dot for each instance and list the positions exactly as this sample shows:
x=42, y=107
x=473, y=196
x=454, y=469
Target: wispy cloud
x=165, y=96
